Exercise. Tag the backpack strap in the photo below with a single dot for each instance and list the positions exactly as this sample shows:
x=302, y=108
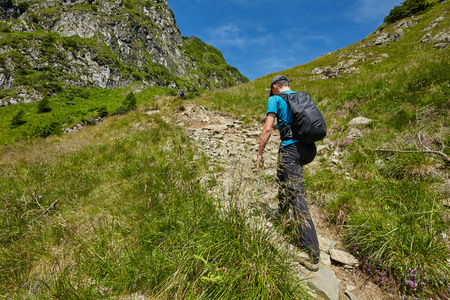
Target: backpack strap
x=286, y=130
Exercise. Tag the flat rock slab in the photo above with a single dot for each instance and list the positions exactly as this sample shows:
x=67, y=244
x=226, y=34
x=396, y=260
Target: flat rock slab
x=344, y=258
x=324, y=283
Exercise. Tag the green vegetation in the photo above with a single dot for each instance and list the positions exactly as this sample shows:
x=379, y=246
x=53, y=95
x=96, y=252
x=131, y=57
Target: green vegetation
x=18, y=119
x=407, y=9
x=70, y=107
x=127, y=216
x=389, y=204
x=211, y=63
x=43, y=106
x=117, y=211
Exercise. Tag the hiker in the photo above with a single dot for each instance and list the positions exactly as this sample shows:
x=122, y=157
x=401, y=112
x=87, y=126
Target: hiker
x=292, y=156
x=180, y=94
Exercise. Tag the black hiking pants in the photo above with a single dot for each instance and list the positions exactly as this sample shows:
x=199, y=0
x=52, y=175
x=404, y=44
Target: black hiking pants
x=291, y=192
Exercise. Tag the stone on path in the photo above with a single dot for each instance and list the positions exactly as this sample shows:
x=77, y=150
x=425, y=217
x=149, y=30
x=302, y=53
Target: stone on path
x=350, y=295
x=324, y=283
x=344, y=258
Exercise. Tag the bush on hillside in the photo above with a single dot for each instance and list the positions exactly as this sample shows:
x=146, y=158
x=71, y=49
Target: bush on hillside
x=128, y=104
x=45, y=130
x=130, y=101
x=18, y=119
x=102, y=112
x=407, y=9
x=44, y=105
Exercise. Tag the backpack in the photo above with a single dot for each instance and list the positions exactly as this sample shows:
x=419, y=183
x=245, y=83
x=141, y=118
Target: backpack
x=308, y=124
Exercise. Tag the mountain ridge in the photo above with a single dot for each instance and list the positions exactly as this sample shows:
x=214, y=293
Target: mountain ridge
x=106, y=44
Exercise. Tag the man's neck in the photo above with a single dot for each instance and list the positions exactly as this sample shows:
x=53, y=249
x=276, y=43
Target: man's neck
x=284, y=89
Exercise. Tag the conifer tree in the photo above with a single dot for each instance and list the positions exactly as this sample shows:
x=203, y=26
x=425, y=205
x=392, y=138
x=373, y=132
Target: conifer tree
x=18, y=119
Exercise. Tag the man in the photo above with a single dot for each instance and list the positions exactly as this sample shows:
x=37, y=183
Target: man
x=292, y=155
x=180, y=94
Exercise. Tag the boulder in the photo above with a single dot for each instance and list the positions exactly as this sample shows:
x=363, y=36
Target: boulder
x=344, y=258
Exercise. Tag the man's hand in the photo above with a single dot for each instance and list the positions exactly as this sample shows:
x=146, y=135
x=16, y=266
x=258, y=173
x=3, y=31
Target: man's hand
x=260, y=162
x=264, y=138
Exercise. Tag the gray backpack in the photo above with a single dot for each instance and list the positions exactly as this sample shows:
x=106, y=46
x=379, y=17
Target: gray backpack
x=308, y=124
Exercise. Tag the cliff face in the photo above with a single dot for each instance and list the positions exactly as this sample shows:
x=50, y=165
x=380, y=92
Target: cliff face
x=104, y=43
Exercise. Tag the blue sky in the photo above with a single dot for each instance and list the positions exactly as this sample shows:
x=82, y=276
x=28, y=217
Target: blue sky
x=260, y=36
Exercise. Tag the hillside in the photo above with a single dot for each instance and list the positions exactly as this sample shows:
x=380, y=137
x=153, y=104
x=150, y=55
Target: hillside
x=382, y=179
x=165, y=201
x=48, y=46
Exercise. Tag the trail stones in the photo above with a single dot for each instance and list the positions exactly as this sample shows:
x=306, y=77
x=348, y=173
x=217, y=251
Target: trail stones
x=324, y=283
x=344, y=258
x=322, y=149
x=350, y=295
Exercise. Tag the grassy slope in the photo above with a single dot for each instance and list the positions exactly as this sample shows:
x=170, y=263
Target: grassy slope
x=389, y=203
x=132, y=219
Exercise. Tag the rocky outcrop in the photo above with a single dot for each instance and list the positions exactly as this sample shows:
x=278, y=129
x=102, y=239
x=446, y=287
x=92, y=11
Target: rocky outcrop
x=108, y=44
x=439, y=39
x=8, y=10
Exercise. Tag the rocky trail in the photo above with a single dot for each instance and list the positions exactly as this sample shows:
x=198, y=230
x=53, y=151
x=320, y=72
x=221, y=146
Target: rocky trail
x=232, y=149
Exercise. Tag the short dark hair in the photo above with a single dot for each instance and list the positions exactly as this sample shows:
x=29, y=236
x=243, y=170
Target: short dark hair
x=282, y=83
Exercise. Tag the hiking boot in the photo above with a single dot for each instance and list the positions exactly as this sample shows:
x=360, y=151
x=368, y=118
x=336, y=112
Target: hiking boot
x=309, y=262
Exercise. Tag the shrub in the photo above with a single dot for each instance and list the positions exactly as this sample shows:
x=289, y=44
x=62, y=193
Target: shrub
x=408, y=8
x=49, y=129
x=18, y=119
x=102, y=112
x=44, y=105
x=130, y=102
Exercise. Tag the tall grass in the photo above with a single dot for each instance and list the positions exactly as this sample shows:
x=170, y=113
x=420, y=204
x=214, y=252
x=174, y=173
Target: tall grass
x=117, y=210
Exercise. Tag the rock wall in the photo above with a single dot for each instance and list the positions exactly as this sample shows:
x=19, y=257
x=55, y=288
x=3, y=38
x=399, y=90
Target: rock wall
x=103, y=43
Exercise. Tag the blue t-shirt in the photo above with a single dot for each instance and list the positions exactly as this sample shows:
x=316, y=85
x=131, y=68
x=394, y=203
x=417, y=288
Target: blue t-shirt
x=279, y=106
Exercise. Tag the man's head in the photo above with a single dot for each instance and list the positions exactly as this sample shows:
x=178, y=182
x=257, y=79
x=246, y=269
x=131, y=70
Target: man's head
x=278, y=82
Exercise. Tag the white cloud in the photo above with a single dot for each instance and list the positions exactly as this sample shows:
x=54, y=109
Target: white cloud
x=366, y=11
x=234, y=35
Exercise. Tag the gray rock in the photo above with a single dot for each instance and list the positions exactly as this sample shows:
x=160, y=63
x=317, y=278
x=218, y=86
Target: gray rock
x=425, y=38
x=325, y=259
x=442, y=37
x=322, y=149
x=216, y=128
x=359, y=121
x=404, y=24
x=325, y=244
x=324, y=283
x=434, y=24
x=350, y=295
x=344, y=258
x=254, y=133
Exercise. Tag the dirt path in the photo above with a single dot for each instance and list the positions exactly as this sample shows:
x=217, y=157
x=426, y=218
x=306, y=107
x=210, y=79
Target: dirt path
x=232, y=149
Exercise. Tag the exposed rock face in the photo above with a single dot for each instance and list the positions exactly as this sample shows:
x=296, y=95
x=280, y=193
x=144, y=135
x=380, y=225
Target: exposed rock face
x=440, y=39
x=8, y=10
x=107, y=44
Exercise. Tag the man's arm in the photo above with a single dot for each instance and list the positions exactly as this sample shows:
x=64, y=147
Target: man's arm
x=264, y=138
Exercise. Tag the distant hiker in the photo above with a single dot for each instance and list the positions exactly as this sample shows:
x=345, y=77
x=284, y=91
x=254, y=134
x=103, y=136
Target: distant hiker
x=180, y=94
x=292, y=155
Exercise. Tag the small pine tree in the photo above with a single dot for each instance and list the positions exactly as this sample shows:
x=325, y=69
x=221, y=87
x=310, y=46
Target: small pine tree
x=18, y=119
x=130, y=102
x=102, y=112
x=44, y=105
